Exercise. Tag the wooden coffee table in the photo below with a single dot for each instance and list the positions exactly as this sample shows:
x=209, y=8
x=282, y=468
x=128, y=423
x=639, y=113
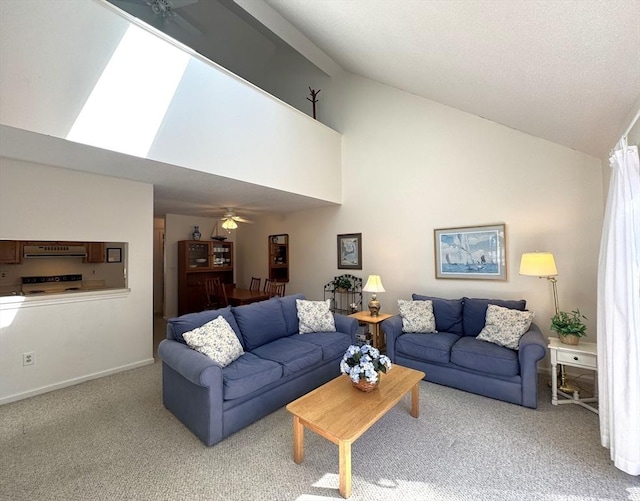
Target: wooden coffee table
x=341, y=413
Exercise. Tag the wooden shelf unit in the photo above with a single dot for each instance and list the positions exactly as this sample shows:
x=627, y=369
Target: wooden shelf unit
x=279, y=258
x=197, y=261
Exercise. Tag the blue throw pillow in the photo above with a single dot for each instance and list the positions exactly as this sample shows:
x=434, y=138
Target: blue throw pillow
x=475, y=311
x=190, y=321
x=448, y=313
x=260, y=323
x=290, y=312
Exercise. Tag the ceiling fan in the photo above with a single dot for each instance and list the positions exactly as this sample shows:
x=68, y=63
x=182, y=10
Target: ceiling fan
x=230, y=220
x=166, y=12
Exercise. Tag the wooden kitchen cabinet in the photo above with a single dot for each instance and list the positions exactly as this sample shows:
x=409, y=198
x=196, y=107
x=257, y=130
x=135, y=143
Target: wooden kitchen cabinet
x=10, y=252
x=197, y=261
x=96, y=252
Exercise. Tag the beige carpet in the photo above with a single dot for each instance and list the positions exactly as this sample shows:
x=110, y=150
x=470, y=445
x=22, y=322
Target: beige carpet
x=112, y=439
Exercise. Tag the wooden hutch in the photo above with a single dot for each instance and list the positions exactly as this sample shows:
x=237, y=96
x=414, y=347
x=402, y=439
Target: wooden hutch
x=197, y=261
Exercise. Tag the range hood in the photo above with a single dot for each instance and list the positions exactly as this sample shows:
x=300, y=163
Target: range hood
x=55, y=251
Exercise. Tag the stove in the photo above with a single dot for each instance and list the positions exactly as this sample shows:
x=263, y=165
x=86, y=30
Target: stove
x=51, y=284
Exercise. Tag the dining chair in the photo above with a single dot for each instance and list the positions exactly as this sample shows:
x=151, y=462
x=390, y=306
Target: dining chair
x=277, y=289
x=255, y=284
x=216, y=293
x=267, y=285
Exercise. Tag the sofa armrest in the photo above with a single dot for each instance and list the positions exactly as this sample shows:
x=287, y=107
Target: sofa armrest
x=347, y=325
x=392, y=328
x=191, y=364
x=532, y=349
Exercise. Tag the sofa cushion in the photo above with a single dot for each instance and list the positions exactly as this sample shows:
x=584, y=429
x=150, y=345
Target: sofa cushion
x=292, y=354
x=260, y=322
x=482, y=356
x=448, y=313
x=417, y=316
x=248, y=374
x=504, y=326
x=428, y=347
x=475, y=310
x=216, y=340
x=315, y=316
x=332, y=344
x=185, y=323
x=290, y=312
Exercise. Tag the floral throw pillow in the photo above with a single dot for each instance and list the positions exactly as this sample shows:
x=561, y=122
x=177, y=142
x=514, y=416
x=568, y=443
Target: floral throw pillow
x=504, y=326
x=314, y=316
x=216, y=340
x=417, y=316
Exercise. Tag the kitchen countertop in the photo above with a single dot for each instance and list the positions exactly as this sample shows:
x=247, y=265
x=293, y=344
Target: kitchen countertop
x=14, y=301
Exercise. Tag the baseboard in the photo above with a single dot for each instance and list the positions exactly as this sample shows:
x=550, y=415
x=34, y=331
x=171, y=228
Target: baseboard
x=72, y=382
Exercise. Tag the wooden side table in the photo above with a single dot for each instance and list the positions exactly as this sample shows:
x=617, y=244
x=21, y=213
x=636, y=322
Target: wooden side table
x=584, y=356
x=378, y=336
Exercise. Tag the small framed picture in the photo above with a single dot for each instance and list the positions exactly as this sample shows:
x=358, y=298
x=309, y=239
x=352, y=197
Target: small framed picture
x=471, y=253
x=350, y=251
x=114, y=255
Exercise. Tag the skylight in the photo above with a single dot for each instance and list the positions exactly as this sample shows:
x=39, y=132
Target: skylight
x=129, y=102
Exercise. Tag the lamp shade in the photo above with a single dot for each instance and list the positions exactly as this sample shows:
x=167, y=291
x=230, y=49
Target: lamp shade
x=538, y=264
x=229, y=224
x=374, y=284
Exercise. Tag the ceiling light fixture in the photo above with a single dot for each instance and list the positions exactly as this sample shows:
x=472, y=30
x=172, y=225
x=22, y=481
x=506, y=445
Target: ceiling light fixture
x=229, y=224
x=162, y=8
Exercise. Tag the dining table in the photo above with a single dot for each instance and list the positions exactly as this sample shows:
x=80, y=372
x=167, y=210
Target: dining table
x=238, y=296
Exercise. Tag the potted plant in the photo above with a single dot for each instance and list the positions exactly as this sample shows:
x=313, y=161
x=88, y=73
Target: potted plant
x=362, y=364
x=569, y=326
x=342, y=283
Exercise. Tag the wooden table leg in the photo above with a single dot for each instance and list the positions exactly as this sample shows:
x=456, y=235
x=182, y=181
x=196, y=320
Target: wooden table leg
x=345, y=468
x=415, y=400
x=298, y=440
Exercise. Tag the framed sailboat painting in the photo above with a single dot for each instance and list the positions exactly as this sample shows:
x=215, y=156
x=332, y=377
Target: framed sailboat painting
x=471, y=252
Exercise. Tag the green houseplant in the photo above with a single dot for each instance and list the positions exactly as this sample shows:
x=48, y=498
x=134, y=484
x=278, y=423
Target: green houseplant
x=342, y=283
x=569, y=326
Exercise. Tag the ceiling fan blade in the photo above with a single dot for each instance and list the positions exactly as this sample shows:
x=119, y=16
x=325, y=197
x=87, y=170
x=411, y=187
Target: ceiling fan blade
x=182, y=3
x=185, y=25
x=241, y=219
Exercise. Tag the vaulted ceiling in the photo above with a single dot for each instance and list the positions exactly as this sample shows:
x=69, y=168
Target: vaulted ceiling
x=563, y=70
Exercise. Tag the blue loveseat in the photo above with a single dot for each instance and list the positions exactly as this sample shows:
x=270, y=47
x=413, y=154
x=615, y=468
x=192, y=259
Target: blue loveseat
x=278, y=366
x=454, y=357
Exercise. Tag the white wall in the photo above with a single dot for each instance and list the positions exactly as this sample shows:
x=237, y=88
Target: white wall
x=410, y=166
x=215, y=121
x=76, y=341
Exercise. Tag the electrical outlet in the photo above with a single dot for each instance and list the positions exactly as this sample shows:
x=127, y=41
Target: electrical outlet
x=28, y=358
x=3, y=275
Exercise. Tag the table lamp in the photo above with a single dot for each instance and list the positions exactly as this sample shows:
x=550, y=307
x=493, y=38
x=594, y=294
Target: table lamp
x=374, y=285
x=542, y=265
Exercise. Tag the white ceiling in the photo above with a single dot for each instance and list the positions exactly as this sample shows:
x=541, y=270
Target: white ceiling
x=564, y=70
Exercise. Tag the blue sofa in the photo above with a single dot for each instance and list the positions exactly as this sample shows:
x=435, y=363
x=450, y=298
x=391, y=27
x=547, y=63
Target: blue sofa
x=454, y=357
x=278, y=366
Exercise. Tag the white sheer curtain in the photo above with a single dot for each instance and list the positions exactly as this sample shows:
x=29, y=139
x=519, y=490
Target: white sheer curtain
x=619, y=313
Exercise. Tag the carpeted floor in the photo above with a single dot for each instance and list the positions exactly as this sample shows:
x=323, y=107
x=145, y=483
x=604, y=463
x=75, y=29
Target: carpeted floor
x=112, y=439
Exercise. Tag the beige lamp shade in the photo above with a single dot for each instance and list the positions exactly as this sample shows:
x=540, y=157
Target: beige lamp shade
x=374, y=284
x=229, y=224
x=538, y=264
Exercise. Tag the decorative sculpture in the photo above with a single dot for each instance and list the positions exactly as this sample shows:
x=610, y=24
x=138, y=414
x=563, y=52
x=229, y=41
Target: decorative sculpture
x=314, y=99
